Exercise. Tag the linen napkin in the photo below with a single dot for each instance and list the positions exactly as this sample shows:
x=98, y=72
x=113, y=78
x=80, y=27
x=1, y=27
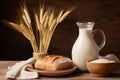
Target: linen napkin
x=110, y=57
x=18, y=71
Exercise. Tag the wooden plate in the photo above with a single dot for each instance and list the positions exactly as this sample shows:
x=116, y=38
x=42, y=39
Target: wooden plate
x=53, y=73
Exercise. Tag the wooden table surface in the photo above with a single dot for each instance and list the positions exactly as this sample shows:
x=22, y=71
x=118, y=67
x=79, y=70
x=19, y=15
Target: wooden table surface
x=74, y=76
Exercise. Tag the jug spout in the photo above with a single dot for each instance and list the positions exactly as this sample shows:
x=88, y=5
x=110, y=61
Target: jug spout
x=86, y=24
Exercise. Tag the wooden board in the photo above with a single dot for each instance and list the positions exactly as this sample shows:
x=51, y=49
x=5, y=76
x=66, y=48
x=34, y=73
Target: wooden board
x=105, y=13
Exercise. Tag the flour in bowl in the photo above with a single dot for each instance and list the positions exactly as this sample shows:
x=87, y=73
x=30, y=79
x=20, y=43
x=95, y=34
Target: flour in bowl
x=102, y=61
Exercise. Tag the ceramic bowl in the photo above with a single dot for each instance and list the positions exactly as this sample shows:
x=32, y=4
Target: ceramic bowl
x=101, y=69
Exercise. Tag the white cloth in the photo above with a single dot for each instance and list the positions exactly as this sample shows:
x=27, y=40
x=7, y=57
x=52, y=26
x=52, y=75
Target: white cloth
x=18, y=70
x=110, y=57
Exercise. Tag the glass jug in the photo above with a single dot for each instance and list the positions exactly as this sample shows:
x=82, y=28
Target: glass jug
x=85, y=47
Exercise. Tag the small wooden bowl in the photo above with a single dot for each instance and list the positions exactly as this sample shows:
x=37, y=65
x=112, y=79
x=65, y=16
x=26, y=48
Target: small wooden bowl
x=101, y=69
x=53, y=73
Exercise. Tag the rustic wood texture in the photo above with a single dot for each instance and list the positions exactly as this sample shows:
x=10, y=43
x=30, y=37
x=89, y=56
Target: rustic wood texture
x=105, y=13
x=74, y=76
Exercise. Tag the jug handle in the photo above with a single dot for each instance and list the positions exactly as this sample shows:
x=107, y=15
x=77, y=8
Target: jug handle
x=103, y=38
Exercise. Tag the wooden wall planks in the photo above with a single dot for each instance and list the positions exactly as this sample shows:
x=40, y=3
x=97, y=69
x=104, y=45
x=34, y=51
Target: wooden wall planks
x=105, y=13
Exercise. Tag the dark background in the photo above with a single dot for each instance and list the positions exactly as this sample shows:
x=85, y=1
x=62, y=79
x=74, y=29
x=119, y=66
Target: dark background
x=105, y=13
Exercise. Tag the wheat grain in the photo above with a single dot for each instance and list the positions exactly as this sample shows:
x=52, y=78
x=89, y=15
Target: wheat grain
x=41, y=15
x=27, y=15
x=59, y=16
x=37, y=22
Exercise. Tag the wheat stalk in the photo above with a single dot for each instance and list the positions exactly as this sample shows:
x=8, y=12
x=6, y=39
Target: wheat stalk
x=45, y=22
